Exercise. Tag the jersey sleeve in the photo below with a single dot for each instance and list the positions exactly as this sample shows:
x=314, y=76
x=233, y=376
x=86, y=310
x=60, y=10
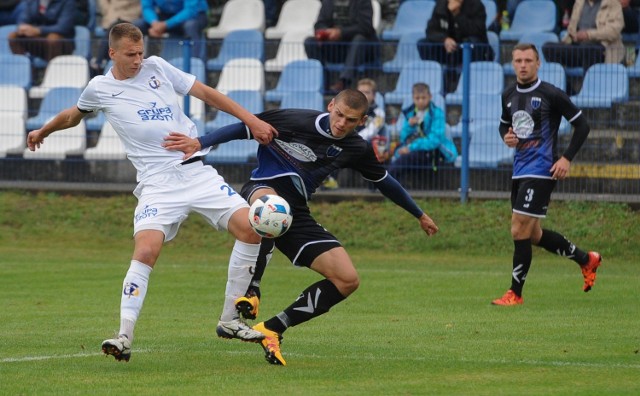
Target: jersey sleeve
x=368, y=165
x=505, y=117
x=564, y=104
x=89, y=101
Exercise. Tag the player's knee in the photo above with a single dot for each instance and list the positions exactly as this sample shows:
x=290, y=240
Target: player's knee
x=248, y=236
x=347, y=284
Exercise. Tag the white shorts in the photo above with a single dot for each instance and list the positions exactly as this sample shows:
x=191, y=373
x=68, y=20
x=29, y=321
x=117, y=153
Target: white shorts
x=166, y=199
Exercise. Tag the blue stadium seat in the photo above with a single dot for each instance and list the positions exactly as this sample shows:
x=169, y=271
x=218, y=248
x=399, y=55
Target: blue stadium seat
x=603, y=85
x=486, y=78
x=250, y=100
x=406, y=51
x=303, y=100
x=4, y=38
x=55, y=100
x=491, y=9
x=412, y=16
x=299, y=75
x=238, y=44
x=483, y=109
x=494, y=42
x=15, y=70
x=553, y=73
x=196, y=67
x=486, y=148
x=531, y=16
x=536, y=38
x=429, y=72
x=82, y=42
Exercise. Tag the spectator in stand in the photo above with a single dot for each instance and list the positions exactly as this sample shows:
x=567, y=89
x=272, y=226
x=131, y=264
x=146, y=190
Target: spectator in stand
x=10, y=11
x=593, y=35
x=452, y=23
x=374, y=125
x=113, y=12
x=45, y=29
x=422, y=137
x=185, y=18
x=350, y=38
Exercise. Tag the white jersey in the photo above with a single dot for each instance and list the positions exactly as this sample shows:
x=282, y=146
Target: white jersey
x=143, y=110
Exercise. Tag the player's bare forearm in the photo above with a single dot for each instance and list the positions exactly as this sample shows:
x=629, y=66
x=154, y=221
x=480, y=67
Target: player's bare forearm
x=176, y=141
x=428, y=225
x=65, y=119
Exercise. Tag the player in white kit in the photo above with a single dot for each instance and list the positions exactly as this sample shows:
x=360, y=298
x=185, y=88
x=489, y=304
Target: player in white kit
x=140, y=98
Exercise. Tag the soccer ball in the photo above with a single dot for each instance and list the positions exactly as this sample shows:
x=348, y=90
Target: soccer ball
x=270, y=216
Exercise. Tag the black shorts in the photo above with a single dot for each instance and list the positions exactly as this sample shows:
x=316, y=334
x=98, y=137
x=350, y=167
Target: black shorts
x=531, y=196
x=305, y=239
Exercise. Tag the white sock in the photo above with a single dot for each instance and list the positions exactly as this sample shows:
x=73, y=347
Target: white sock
x=242, y=263
x=134, y=289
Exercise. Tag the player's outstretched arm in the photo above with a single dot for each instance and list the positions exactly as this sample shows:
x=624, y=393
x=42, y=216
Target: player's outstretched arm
x=428, y=225
x=65, y=119
x=262, y=131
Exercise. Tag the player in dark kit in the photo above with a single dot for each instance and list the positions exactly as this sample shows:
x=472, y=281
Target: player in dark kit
x=310, y=146
x=531, y=113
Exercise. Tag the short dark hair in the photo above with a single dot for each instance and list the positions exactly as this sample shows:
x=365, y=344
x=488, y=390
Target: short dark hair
x=124, y=30
x=420, y=87
x=354, y=99
x=526, y=46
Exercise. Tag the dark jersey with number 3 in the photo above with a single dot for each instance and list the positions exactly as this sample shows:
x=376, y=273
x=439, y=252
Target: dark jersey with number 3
x=306, y=149
x=535, y=113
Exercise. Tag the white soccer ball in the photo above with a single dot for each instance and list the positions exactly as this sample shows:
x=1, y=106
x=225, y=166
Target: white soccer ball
x=270, y=216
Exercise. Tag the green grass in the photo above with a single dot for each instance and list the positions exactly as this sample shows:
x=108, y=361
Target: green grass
x=421, y=322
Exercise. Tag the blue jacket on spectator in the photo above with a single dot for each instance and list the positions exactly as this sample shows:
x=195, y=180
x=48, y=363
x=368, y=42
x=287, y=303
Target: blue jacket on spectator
x=59, y=17
x=179, y=10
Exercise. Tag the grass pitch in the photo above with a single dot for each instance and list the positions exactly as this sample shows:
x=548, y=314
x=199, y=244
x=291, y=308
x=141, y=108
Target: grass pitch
x=421, y=322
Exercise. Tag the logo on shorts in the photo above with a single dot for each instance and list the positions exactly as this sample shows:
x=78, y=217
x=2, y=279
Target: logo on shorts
x=145, y=213
x=131, y=290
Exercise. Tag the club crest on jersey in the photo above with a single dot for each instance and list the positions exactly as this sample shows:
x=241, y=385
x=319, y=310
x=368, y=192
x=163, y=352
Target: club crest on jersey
x=154, y=83
x=333, y=151
x=297, y=151
x=536, y=102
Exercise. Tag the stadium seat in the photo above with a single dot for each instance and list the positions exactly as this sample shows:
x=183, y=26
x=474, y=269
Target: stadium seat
x=13, y=136
x=238, y=44
x=483, y=109
x=429, y=72
x=406, y=51
x=486, y=148
x=494, y=42
x=303, y=100
x=491, y=9
x=291, y=48
x=4, y=38
x=553, y=73
x=56, y=100
x=603, y=85
x=531, y=16
x=109, y=146
x=15, y=70
x=196, y=67
x=295, y=16
x=249, y=99
x=13, y=101
x=71, y=141
x=239, y=15
x=536, y=38
x=82, y=42
x=62, y=71
x=486, y=78
x=412, y=16
x=241, y=74
x=301, y=75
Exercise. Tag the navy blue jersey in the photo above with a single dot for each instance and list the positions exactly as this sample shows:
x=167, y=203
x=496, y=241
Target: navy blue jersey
x=535, y=113
x=306, y=149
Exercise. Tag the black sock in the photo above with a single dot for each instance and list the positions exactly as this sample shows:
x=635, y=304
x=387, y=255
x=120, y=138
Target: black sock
x=314, y=301
x=521, y=264
x=558, y=244
x=266, y=251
